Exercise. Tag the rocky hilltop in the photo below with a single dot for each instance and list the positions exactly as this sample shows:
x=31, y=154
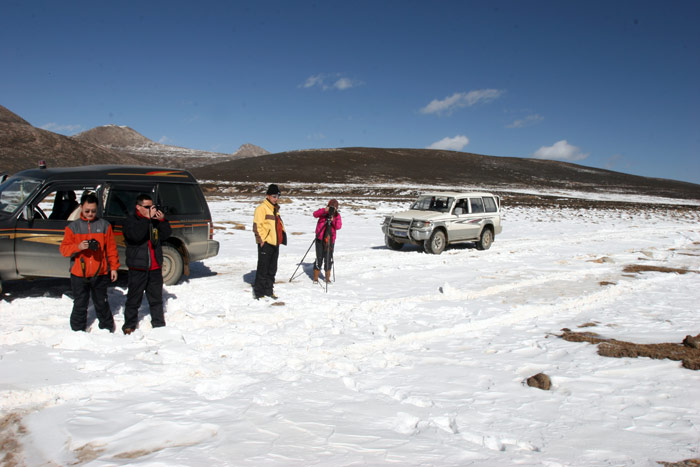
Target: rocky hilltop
x=250, y=150
x=22, y=146
x=129, y=141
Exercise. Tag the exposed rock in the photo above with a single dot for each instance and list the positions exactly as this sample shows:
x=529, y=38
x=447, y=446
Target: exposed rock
x=540, y=381
x=693, y=342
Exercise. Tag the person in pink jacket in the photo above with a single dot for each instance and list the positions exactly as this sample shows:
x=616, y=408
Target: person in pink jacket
x=329, y=221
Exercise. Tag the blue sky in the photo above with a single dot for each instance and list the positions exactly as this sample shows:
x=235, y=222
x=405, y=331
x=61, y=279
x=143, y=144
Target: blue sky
x=609, y=84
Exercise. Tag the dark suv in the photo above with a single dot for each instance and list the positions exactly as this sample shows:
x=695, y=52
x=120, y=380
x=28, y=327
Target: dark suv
x=37, y=204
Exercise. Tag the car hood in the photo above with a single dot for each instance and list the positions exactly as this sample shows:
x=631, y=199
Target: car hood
x=420, y=215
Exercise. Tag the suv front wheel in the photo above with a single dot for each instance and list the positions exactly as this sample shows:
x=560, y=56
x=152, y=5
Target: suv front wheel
x=392, y=244
x=172, y=265
x=436, y=243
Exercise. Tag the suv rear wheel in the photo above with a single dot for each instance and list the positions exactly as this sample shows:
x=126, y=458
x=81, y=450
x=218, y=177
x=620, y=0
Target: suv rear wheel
x=436, y=243
x=172, y=265
x=485, y=241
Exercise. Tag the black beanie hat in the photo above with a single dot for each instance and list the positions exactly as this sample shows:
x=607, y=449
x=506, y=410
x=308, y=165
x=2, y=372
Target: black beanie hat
x=273, y=190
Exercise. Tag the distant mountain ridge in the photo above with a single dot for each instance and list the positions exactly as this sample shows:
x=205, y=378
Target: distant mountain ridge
x=22, y=146
x=436, y=167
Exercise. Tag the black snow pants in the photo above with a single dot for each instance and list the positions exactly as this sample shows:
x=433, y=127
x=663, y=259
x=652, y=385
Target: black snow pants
x=83, y=289
x=266, y=270
x=150, y=282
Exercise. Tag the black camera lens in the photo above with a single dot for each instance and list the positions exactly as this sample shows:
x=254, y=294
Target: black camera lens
x=93, y=244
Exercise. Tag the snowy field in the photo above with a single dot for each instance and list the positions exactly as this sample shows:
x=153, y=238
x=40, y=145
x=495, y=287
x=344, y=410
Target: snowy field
x=409, y=359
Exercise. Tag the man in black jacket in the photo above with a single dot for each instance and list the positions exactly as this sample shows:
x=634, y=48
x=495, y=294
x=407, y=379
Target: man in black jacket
x=144, y=233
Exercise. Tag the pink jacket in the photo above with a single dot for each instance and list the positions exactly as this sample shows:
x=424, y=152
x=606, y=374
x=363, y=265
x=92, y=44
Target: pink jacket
x=336, y=223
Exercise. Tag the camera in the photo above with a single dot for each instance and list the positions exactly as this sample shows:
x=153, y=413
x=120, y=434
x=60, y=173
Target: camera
x=160, y=207
x=93, y=244
x=331, y=211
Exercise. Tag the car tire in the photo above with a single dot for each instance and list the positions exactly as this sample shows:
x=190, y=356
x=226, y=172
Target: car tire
x=392, y=244
x=172, y=265
x=485, y=240
x=436, y=243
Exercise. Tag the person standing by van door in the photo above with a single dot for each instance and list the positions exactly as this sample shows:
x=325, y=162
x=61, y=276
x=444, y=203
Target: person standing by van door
x=144, y=233
x=269, y=235
x=90, y=244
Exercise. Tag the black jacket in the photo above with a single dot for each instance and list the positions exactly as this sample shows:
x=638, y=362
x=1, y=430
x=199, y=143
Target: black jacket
x=137, y=231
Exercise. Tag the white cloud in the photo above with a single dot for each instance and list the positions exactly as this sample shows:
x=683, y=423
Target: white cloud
x=561, y=150
x=328, y=81
x=56, y=128
x=527, y=121
x=461, y=99
x=165, y=140
x=452, y=144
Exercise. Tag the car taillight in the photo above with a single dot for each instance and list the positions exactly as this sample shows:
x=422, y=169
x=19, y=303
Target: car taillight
x=211, y=231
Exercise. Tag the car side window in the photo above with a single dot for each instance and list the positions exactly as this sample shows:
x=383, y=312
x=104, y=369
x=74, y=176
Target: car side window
x=490, y=205
x=461, y=207
x=60, y=202
x=121, y=202
x=477, y=205
x=179, y=198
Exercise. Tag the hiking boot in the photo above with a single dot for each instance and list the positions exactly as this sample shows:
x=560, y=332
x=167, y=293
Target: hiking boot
x=316, y=272
x=128, y=331
x=328, y=275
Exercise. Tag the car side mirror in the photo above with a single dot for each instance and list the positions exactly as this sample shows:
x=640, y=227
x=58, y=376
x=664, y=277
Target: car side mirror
x=28, y=213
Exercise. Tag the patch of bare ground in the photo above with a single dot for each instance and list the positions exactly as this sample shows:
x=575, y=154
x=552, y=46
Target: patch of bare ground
x=637, y=268
x=222, y=225
x=685, y=463
x=686, y=352
x=88, y=452
x=11, y=430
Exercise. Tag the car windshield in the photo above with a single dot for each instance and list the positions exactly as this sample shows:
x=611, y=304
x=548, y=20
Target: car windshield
x=14, y=192
x=433, y=203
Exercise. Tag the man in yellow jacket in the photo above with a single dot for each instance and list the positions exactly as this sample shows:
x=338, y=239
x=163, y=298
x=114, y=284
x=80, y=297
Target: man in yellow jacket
x=269, y=235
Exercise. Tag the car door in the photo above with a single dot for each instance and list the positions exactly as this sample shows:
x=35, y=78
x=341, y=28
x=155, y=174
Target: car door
x=459, y=228
x=37, y=239
x=475, y=219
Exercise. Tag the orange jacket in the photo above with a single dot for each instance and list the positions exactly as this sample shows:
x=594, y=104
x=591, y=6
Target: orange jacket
x=88, y=263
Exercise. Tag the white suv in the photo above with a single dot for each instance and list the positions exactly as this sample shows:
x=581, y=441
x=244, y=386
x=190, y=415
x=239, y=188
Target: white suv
x=435, y=220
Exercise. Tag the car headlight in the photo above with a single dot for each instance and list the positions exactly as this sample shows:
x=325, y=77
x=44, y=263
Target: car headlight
x=421, y=224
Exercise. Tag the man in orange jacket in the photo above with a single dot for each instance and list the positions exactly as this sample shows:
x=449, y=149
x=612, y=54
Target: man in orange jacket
x=90, y=244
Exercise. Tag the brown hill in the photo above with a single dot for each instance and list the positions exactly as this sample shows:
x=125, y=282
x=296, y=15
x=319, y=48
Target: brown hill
x=113, y=136
x=22, y=146
x=129, y=141
x=437, y=167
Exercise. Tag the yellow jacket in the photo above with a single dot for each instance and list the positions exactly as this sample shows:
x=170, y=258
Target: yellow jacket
x=264, y=223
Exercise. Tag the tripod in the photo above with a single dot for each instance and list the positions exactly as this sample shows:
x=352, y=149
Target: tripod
x=326, y=239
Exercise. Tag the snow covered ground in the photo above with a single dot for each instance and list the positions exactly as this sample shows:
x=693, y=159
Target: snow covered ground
x=409, y=359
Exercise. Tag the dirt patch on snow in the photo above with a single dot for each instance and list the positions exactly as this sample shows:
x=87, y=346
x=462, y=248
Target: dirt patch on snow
x=685, y=463
x=637, y=268
x=11, y=430
x=686, y=352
